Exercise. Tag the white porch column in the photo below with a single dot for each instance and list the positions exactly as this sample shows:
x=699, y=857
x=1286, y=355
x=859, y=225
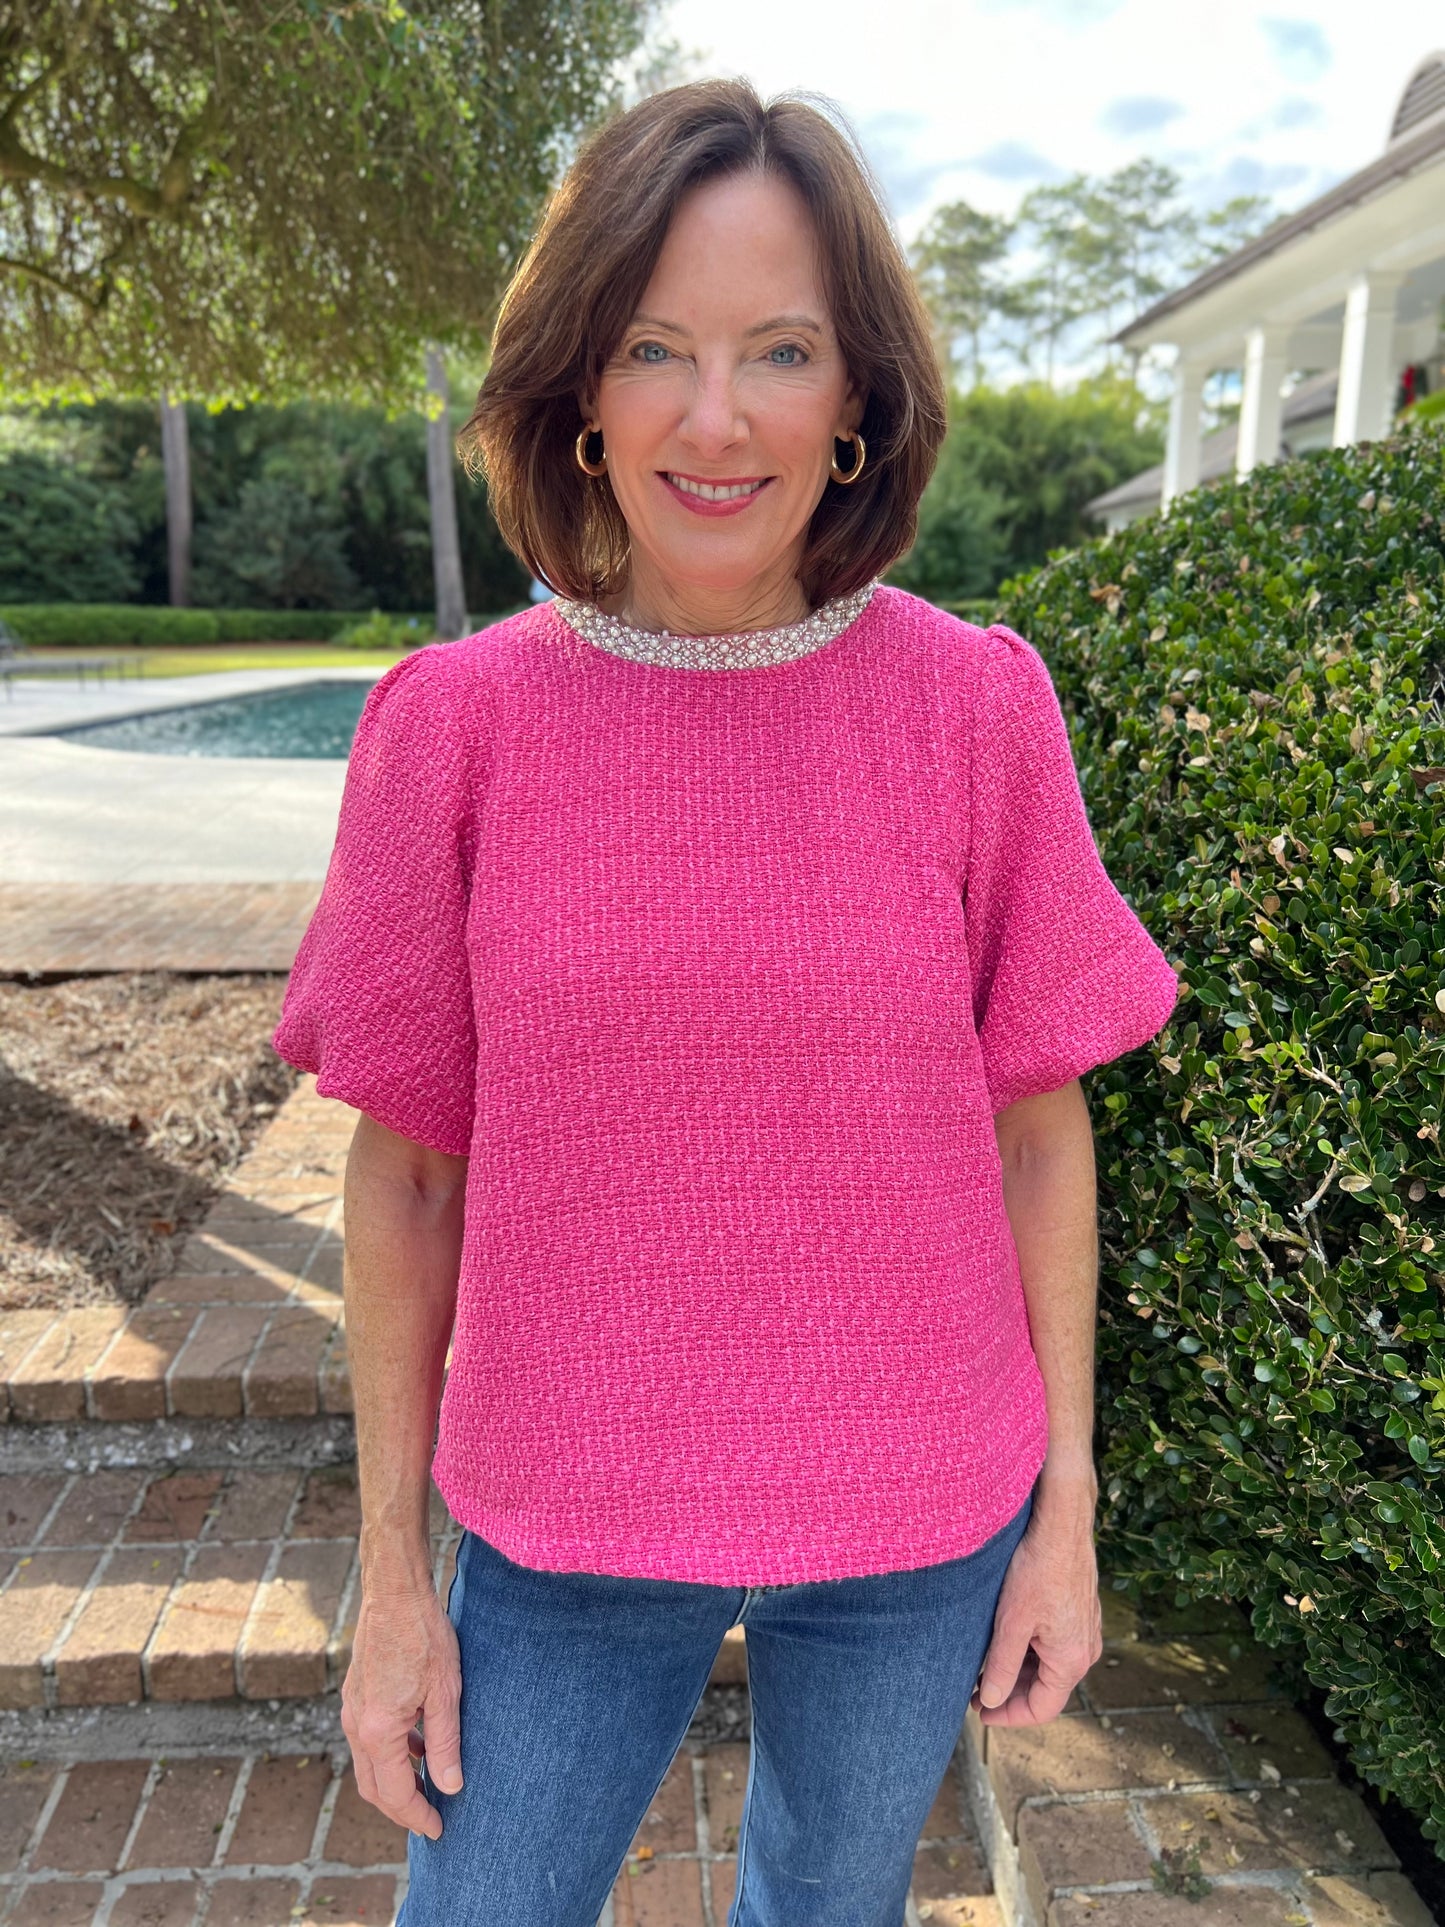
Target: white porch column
x=1367, y=360
x=1181, y=452
x=1259, y=411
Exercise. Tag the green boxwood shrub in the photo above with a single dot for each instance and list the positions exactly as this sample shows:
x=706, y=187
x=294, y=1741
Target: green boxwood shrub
x=281, y=625
x=92, y=625
x=107, y=625
x=1252, y=683
x=378, y=631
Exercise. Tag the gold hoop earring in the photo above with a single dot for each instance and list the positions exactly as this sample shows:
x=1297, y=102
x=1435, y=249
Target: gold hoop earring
x=849, y=477
x=582, y=461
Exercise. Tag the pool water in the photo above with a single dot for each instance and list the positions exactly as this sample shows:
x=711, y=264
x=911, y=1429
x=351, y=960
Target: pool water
x=314, y=719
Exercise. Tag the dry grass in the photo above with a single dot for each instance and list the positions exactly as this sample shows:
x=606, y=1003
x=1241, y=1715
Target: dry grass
x=124, y=1101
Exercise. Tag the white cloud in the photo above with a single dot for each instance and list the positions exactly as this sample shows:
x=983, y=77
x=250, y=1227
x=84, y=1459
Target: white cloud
x=981, y=99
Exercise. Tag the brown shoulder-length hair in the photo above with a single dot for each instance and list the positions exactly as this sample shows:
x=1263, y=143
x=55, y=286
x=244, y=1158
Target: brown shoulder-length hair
x=579, y=284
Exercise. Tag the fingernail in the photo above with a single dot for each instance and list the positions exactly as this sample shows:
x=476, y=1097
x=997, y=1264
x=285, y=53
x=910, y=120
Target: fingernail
x=449, y=1780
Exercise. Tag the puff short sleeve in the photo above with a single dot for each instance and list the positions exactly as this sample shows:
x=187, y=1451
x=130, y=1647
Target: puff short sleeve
x=379, y=1001
x=1064, y=975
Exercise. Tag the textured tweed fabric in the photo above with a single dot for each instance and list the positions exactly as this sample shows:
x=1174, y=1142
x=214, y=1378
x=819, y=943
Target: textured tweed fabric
x=719, y=977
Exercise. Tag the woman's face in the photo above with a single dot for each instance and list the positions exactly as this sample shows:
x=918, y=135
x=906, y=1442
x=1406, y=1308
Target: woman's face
x=729, y=376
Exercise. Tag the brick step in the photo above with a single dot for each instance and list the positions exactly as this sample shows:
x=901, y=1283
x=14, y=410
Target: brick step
x=248, y=1325
x=1177, y=1760
x=233, y=1348
x=273, y=1839
x=127, y=1585
x=156, y=1443
x=236, y=1585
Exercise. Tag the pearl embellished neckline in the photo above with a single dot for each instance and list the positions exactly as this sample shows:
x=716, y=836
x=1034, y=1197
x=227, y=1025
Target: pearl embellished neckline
x=744, y=649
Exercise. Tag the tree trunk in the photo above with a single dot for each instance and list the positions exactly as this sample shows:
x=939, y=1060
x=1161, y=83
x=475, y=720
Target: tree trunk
x=176, y=455
x=446, y=548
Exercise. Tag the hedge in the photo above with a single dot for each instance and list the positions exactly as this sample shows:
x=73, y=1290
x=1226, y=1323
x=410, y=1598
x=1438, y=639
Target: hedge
x=99, y=625
x=1252, y=687
x=283, y=625
x=979, y=609
x=105, y=625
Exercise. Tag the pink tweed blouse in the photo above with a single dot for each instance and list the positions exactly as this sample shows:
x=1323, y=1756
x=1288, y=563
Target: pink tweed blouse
x=718, y=978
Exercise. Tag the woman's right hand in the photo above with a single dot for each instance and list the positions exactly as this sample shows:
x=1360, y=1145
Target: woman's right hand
x=405, y=1667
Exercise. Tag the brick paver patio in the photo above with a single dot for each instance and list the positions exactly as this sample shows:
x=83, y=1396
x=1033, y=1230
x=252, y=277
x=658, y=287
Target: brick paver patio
x=77, y=928
x=262, y=1840
x=1177, y=1765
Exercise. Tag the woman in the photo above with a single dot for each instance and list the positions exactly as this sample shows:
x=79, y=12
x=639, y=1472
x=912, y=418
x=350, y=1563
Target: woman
x=713, y=954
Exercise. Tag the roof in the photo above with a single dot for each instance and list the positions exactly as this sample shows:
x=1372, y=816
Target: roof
x=1403, y=156
x=1308, y=402
x=1423, y=99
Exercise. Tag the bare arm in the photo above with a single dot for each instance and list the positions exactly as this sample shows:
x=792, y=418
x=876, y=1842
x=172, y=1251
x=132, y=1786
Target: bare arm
x=1050, y=1601
x=404, y=1208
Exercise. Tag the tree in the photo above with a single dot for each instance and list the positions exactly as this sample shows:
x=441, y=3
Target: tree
x=446, y=549
x=1015, y=470
x=277, y=198
x=1220, y=230
x=960, y=552
x=63, y=534
x=359, y=470
x=278, y=548
x=1140, y=235
x=176, y=452
x=1050, y=284
x=1056, y=224
x=957, y=259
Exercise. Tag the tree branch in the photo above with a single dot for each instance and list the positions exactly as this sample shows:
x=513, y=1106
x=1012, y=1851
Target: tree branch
x=36, y=273
x=18, y=164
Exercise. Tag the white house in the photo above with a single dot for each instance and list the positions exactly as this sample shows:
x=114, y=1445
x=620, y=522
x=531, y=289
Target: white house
x=1333, y=314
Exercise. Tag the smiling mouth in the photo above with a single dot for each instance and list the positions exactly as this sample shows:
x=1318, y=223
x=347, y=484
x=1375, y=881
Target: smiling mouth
x=716, y=491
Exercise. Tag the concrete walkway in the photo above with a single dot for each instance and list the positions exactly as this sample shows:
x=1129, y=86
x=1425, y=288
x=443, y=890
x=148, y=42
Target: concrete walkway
x=74, y=813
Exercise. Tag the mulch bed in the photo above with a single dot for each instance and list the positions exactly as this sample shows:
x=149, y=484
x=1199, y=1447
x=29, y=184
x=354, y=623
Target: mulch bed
x=125, y=1100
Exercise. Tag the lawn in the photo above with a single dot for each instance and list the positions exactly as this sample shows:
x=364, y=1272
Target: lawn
x=199, y=659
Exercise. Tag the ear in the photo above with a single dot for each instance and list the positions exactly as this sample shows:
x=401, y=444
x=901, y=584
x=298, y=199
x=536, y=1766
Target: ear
x=850, y=415
x=587, y=407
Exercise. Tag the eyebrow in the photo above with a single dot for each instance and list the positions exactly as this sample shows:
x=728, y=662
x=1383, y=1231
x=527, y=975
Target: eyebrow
x=762, y=327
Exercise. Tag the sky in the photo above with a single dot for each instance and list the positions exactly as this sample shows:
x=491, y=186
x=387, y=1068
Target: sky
x=982, y=99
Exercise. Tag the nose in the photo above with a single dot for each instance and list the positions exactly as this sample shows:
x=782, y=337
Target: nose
x=714, y=421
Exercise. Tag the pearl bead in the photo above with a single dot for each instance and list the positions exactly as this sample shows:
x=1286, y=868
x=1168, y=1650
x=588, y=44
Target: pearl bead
x=745, y=649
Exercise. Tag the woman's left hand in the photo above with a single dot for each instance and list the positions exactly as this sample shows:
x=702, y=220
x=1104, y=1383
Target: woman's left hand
x=1048, y=1627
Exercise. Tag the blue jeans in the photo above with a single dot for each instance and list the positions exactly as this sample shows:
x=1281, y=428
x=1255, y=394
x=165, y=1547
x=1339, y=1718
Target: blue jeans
x=578, y=1689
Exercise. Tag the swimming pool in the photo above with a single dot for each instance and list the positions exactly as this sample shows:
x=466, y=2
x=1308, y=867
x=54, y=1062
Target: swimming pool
x=313, y=720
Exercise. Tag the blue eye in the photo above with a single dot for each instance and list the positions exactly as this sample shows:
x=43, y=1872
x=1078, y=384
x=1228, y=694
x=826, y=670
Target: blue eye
x=787, y=348
x=643, y=345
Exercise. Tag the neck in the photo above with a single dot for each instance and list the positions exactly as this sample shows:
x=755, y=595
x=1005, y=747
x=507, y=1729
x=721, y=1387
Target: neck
x=766, y=602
